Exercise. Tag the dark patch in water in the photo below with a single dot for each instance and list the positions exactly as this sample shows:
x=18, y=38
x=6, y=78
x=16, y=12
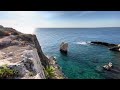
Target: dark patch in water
x=81, y=72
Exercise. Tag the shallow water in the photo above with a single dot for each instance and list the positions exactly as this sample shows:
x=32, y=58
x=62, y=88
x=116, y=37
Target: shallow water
x=83, y=61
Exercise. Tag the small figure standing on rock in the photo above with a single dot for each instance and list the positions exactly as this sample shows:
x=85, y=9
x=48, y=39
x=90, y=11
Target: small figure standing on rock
x=64, y=47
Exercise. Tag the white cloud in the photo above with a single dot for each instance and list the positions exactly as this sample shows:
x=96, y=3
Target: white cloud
x=85, y=12
x=27, y=21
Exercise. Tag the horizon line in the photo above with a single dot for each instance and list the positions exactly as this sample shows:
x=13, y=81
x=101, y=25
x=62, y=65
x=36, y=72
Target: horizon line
x=77, y=27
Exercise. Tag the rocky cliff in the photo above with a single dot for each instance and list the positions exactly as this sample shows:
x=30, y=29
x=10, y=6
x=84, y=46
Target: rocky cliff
x=21, y=57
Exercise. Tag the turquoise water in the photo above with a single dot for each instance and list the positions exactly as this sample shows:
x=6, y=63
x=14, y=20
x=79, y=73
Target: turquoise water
x=83, y=61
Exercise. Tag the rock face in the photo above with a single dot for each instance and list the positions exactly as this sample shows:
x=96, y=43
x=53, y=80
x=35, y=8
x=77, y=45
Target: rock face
x=23, y=53
x=6, y=31
x=29, y=67
x=44, y=59
x=64, y=47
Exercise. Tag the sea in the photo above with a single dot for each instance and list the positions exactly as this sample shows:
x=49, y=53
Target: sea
x=84, y=60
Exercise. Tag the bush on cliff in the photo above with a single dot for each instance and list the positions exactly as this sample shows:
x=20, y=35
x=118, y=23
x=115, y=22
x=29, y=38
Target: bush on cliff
x=49, y=71
x=7, y=73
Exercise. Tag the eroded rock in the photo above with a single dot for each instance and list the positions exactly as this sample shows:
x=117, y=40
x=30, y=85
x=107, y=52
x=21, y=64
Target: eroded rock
x=117, y=48
x=64, y=47
x=108, y=67
x=52, y=60
x=103, y=43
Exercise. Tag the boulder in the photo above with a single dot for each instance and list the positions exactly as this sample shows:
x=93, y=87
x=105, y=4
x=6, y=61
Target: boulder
x=64, y=47
x=108, y=67
x=52, y=60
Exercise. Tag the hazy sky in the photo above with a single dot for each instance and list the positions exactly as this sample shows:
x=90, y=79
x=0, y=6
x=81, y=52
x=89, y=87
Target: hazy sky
x=27, y=21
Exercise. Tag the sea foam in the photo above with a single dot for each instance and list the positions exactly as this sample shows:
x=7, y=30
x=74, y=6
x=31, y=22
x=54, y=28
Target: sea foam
x=82, y=43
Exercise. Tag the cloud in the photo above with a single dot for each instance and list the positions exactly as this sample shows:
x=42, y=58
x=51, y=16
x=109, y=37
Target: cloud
x=27, y=21
x=86, y=12
x=24, y=21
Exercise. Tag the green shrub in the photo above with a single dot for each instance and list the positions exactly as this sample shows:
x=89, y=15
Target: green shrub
x=50, y=72
x=7, y=73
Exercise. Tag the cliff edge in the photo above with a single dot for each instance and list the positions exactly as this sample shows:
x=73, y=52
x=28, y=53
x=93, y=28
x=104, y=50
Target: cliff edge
x=21, y=57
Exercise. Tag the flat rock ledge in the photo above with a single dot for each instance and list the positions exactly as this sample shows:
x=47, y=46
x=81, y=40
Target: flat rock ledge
x=112, y=47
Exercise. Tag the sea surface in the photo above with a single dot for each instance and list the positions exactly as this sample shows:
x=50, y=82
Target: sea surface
x=83, y=61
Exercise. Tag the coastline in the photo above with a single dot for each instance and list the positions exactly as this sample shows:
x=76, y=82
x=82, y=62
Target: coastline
x=26, y=56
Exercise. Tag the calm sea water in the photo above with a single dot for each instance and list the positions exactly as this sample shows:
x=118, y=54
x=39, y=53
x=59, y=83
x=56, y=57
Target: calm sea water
x=84, y=61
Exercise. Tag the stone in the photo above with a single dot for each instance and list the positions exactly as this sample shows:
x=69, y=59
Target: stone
x=110, y=64
x=103, y=43
x=64, y=47
x=108, y=67
x=52, y=60
x=115, y=48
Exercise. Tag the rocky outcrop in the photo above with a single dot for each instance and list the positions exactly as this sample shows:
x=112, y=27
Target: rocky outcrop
x=29, y=67
x=108, y=67
x=52, y=60
x=115, y=48
x=23, y=53
x=6, y=31
x=64, y=47
x=103, y=43
x=112, y=47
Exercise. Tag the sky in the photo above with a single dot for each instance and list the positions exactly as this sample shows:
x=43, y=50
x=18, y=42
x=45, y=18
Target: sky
x=27, y=21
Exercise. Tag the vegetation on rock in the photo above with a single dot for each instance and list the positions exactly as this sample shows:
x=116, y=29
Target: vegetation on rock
x=7, y=73
x=50, y=72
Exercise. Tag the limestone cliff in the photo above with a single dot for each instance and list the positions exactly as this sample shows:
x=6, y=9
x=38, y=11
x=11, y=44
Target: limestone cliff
x=22, y=55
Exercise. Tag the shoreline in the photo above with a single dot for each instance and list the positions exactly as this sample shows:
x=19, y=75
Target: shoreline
x=23, y=53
